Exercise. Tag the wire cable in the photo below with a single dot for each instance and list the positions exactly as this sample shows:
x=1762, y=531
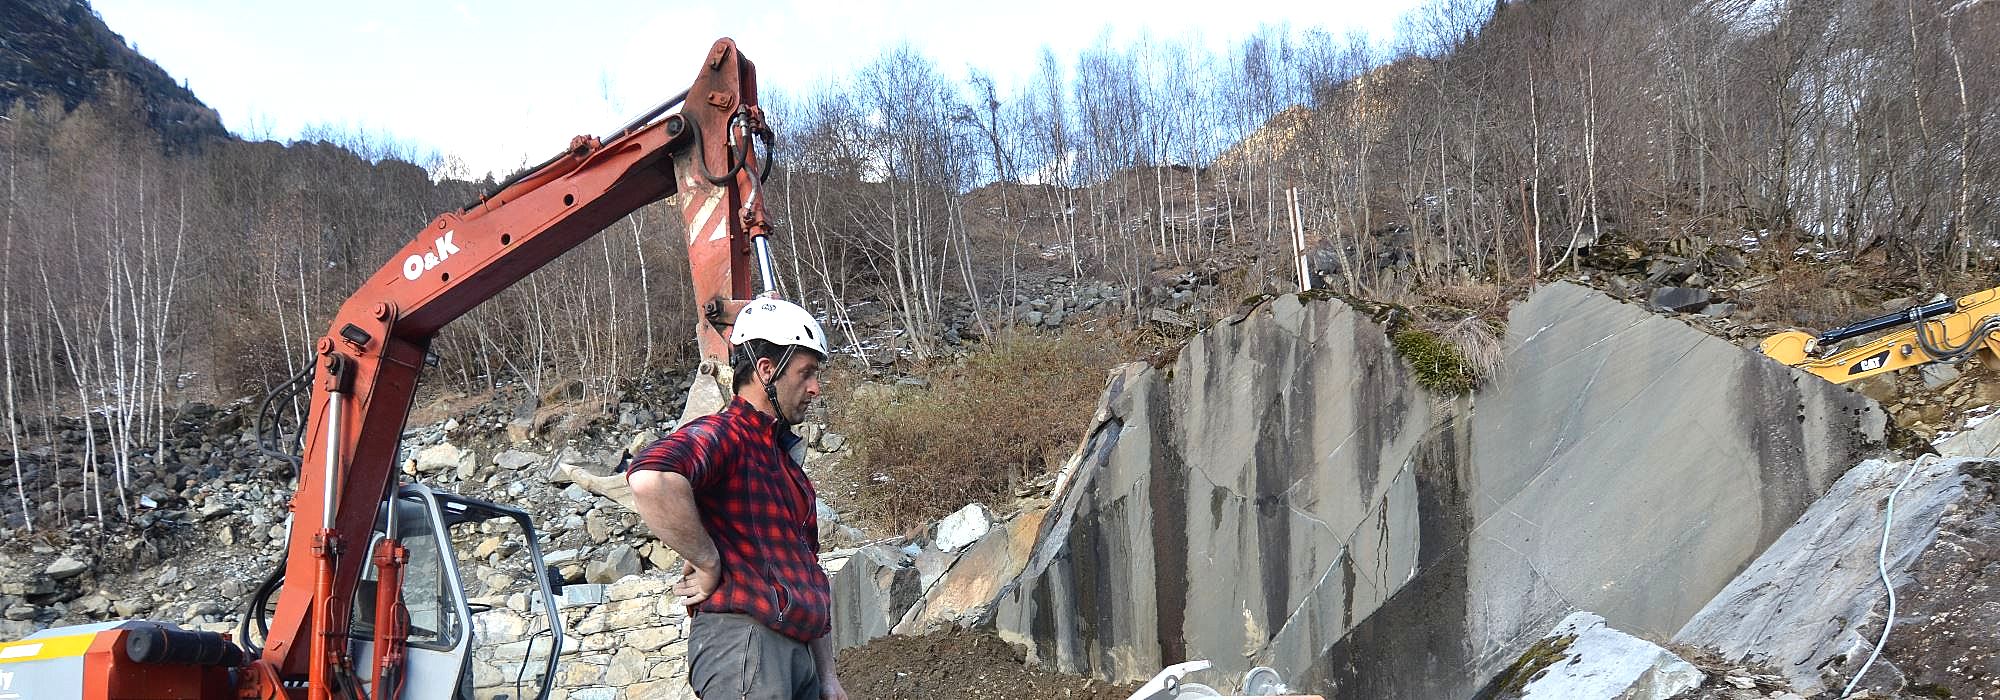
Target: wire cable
x=1882, y=569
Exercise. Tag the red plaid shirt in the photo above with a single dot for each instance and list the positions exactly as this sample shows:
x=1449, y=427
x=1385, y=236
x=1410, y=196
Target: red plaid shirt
x=757, y=505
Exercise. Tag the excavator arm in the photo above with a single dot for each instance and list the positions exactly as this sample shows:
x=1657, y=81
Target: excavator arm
x=1938, y=332
x=368, y=362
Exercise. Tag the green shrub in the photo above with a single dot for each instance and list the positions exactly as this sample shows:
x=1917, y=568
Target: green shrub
x=1439, y=366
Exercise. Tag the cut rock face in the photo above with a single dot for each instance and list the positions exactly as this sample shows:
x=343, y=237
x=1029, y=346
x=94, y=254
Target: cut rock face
x=1284, y=495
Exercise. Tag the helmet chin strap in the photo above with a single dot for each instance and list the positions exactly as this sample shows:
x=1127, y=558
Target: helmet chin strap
x=771, y=387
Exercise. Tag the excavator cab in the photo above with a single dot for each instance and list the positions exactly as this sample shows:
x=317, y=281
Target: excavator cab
x=477, y=609
x=480, y=618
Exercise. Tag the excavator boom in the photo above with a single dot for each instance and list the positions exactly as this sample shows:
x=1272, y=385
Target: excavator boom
x=1938, y=332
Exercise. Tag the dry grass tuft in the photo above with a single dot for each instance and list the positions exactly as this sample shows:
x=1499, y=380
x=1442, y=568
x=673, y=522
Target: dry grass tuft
x=1011, y=411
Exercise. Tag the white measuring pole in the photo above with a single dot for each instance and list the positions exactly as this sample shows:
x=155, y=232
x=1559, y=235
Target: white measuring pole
x=1298, y=239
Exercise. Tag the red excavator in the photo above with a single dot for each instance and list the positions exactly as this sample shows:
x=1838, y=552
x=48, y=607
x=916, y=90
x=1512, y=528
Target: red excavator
x=370, y=604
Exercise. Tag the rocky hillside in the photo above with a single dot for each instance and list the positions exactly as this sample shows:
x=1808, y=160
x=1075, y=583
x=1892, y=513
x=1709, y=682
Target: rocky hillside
x=60, y=53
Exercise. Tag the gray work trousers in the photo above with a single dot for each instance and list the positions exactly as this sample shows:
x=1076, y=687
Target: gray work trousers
x=732, y=657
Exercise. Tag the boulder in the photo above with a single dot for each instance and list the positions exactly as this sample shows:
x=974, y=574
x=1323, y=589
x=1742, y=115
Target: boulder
x=443, y=457
x=652, y=638
x=641, y=587
x=872, y=589
x=129, y=608
x=500, y=625
x=635, y=418
x=562, y=556
x=1980, y=438
x=516, y=461
x=967, y=592
x=597, y=526
x=1937, y=375
x=584, y=482
x=521, y=430
x=962, y=528
x=1807, y=601
x=832, y=442
x=66, y=568
x=1681, y=298
x=1584, y=658
x=660, y=556
x=1169, y=318
x=619, y=562
x=583, y=594
x=15, y=629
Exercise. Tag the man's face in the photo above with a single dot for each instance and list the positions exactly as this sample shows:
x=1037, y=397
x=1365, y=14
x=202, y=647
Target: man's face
x=799, y=385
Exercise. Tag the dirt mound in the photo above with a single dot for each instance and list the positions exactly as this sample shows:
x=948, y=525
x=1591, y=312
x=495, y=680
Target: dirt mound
x=958, y=664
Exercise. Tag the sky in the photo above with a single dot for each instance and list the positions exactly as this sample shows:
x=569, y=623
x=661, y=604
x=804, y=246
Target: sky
x=502, y=83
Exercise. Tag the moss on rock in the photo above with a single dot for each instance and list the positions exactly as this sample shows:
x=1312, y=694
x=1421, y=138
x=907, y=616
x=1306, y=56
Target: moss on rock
x=1439, y=366
x=1529, y=666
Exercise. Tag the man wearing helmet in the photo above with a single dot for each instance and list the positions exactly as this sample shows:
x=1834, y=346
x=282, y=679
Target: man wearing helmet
x=726, y=492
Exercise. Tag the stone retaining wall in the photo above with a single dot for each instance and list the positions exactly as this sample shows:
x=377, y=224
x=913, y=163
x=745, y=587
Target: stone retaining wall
x=625, y=643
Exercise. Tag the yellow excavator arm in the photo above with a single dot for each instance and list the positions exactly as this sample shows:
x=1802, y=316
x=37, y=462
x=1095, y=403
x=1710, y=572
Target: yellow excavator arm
x=1942, y=331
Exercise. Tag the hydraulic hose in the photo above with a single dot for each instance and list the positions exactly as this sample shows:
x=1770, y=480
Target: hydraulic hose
x=735, y=158
x=256, y=611
x=1940, y=348
x=269, y=431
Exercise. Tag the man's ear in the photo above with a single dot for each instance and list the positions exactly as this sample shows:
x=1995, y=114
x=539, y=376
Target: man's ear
x=766, y=369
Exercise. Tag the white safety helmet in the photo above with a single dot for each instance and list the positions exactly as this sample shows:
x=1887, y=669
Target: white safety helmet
x=779, y=322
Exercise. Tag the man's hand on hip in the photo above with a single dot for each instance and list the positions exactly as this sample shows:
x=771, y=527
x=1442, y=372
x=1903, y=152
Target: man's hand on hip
x=697, y=583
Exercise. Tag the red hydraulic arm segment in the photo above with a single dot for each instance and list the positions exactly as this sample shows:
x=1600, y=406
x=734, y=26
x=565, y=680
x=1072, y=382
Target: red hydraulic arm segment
x=370, y=358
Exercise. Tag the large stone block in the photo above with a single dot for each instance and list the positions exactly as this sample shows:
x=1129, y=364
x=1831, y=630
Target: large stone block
x=1283, y=494
x=1584, y=658
x=631, y=614
x=965, y=595
x=871, y=591
x=619, y=562
x=670, y=668
x=442, y=458
x=1808, y=603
